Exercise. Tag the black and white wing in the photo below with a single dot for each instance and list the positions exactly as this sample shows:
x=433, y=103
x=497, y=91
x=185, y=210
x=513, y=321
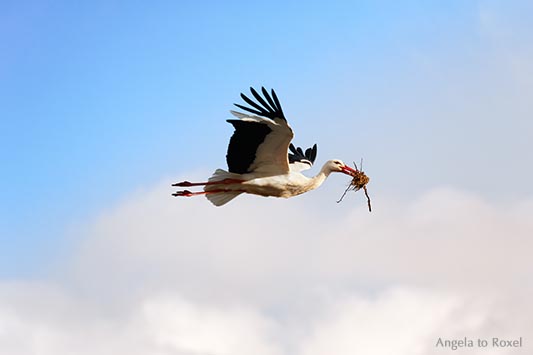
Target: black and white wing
x=298, y=160
x=261, y=141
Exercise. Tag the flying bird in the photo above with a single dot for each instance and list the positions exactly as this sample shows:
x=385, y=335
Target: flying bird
x=258, y=157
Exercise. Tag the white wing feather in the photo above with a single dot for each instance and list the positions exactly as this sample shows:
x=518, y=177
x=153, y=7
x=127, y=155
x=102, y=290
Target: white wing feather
x=299, y=166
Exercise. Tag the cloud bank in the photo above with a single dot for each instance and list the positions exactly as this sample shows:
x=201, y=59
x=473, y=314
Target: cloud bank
x=265, y=276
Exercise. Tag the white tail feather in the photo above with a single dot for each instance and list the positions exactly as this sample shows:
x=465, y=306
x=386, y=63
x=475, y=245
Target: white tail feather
x=221, y=174
x=221, y=198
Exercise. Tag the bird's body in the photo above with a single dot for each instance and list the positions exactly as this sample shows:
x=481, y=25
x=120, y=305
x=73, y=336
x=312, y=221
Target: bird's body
x=285, y=185
x=258, y=157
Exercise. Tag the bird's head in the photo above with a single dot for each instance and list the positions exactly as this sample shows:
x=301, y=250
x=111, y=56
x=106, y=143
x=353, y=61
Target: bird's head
x=337, y=165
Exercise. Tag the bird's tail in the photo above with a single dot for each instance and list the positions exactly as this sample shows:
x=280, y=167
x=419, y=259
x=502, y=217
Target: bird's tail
x=221, y=174
x=220, y=198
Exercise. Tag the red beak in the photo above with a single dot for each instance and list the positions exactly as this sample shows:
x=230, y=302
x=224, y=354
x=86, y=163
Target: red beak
x=348, y=171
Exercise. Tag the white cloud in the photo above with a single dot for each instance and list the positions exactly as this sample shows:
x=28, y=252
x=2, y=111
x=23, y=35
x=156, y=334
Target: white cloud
x=445, y=237
x=410, y=321
x=197, y=329
x=43, y=319
x=157, y=275
x=399, y=320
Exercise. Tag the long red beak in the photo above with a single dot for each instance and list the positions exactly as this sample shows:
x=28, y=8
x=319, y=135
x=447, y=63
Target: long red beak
x=348, y=171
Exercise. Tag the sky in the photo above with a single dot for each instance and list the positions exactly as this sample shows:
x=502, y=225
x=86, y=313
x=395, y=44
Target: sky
x=104, y=104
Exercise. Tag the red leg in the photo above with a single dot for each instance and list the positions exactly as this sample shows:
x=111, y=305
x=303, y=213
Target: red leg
x=187, y=184
x=187, y=193
x=225, y=181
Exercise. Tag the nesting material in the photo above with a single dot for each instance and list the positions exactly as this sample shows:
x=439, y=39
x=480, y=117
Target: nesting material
x=359, y=181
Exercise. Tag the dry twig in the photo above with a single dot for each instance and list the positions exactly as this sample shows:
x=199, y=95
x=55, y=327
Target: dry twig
x=359, y=181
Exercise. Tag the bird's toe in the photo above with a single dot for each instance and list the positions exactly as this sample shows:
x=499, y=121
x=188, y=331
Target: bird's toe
x=185, y=193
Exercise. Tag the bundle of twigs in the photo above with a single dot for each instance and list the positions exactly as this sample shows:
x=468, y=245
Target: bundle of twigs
x=359, y=181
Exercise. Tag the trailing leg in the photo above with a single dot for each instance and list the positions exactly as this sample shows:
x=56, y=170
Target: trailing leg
x=219, y=182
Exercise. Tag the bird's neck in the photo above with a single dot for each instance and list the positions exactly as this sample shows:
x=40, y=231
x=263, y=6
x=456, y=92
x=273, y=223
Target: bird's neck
x=317, y=180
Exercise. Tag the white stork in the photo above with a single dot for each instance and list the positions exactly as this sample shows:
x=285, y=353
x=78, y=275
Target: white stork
x=258, y=159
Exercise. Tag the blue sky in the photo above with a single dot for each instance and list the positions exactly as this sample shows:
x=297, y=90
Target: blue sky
x=101, y=99
x=104, y=104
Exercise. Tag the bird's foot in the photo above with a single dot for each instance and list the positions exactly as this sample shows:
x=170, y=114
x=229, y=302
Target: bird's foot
x=218, y=182
x=185, y=193
x=184, y=184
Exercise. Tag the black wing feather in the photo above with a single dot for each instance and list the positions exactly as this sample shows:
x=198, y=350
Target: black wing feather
x=252, y=103
x=261, y=101
x=271, y=110
x=297, y=154
x=308, y=152
x=312, y=156
x=243, y=144
x=267, y=96
x=292, y=148
x=278, y=105
x=249, y=109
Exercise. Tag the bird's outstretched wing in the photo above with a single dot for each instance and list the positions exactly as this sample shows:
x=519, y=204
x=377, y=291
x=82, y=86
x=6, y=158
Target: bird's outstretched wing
x=261, y=141
x=298, y=160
